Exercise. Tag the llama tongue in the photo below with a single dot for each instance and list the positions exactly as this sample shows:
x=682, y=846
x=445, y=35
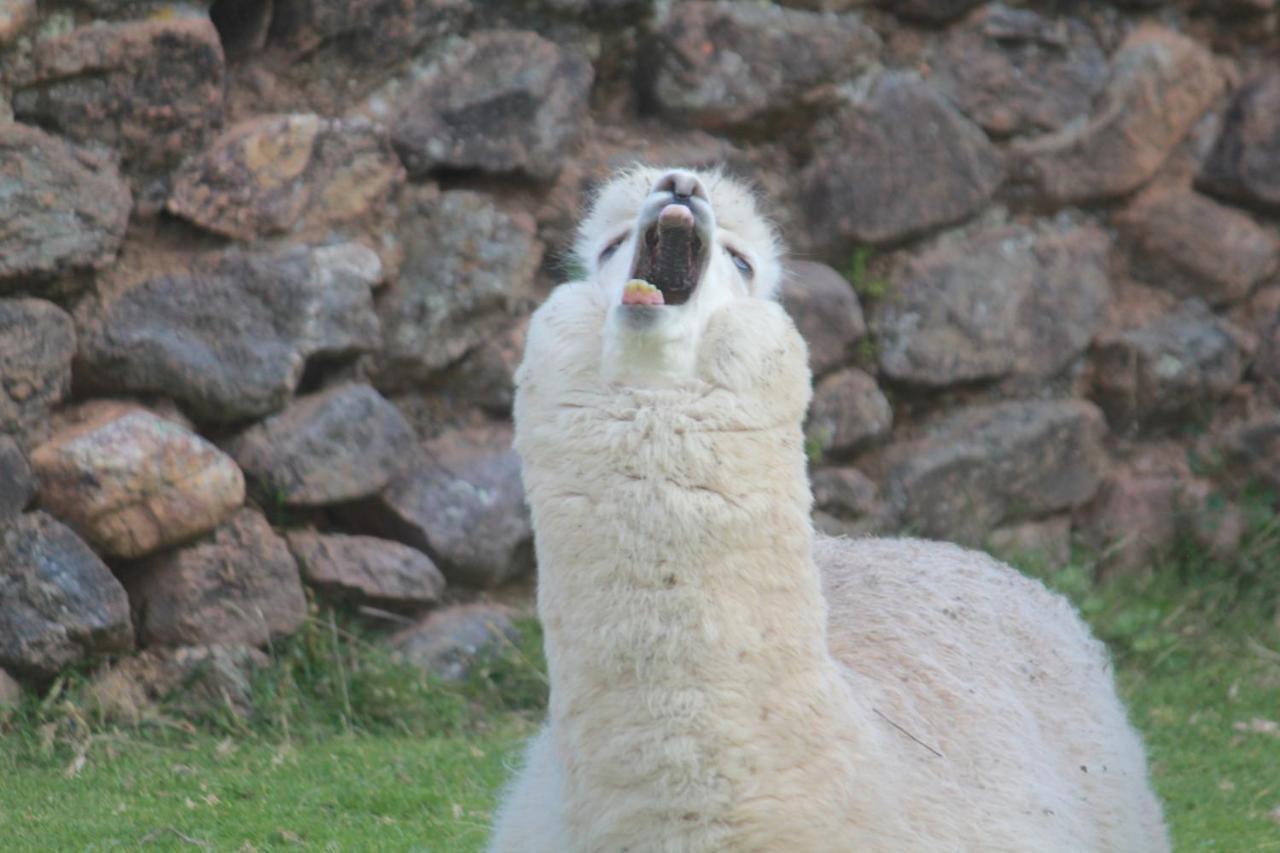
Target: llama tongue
x=675, y=247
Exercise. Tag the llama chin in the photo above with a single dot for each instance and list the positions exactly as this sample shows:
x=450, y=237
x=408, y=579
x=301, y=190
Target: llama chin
x=722, y=678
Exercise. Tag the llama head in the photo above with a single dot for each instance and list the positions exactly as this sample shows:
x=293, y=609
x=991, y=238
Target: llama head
x=697, y=240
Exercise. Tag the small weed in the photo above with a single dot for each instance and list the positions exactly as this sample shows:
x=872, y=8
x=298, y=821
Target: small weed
x=276, y=508
x=868, y=287
x=868, y=351
x=813, y=449
x=572, y=268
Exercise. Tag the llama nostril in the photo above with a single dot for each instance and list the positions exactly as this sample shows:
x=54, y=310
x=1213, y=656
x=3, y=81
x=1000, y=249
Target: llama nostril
x=682, y=185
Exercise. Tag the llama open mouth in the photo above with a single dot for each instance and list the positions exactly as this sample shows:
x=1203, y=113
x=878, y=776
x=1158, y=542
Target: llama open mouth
x=672, y=254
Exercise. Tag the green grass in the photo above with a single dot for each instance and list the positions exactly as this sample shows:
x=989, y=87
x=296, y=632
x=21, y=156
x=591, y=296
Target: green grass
x=349, y=750
x=1197, y=651
x=365, y=791
x=353, y=751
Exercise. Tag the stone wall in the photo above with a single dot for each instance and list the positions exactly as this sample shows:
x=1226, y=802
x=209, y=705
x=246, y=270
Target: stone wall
x=265, y=268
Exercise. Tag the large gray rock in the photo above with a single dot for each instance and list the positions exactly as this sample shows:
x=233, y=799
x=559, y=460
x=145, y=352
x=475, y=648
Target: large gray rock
x=1261, y=316
x=847, y=503
x=467, y=268
x=230, y=340
x=194, y=681
x=449, y=642
x=132, y=483
x=62, y=207
x=16, y=485
x=893, y=161
x=15, y=16
x=1007, y=301
x=929, y=11
x=151, y=89
x=334, y=446
x=724, y=64
x=465, y=507
x=239, y=586
x=844, y=492
x=573, y=21
x=848, y=412
x=825, y=310
x=1047, y=541
x=1189, y=245
x=1245, y=162
x=366, y=569
x=10, y=691
x=1253, y=448
x=824, y=5
x=37, y=344
x=498, y=102
x=61, y=604
x=989, y=465
x=1169, y=368
x=1146, y=504
x=363, y=32
x=1014, y=71
x=1161, y=83
x=485, y=377
x=280, y=174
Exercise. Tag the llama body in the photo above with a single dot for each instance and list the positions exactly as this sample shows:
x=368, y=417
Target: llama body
x=713, y=689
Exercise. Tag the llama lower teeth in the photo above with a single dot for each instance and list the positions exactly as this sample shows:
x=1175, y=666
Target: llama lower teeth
x=640, y=292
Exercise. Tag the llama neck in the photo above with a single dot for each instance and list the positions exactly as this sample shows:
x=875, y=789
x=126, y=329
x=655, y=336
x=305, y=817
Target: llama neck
x=683, y=584
x=684, y=618
x=682, y=609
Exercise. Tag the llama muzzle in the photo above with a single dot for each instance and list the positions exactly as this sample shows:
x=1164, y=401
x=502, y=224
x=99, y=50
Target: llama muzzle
x=672, y=252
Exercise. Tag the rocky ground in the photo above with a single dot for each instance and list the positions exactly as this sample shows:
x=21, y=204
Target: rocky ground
x=265, y=269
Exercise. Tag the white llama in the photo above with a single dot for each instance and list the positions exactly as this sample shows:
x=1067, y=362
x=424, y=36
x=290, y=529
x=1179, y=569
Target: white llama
x=724, y=679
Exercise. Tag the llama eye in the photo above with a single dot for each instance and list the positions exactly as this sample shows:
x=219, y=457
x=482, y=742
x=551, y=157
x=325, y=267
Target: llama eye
x=611, y=248
x=743, y=265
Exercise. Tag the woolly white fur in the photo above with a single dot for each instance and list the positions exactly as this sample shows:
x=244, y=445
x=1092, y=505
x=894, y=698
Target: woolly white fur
x=723, y=679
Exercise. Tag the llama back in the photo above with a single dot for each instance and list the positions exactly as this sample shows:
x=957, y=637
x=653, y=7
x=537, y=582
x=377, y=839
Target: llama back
x=1011, y=699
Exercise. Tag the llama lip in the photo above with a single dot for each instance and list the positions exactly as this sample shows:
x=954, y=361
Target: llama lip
x=672, y=254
